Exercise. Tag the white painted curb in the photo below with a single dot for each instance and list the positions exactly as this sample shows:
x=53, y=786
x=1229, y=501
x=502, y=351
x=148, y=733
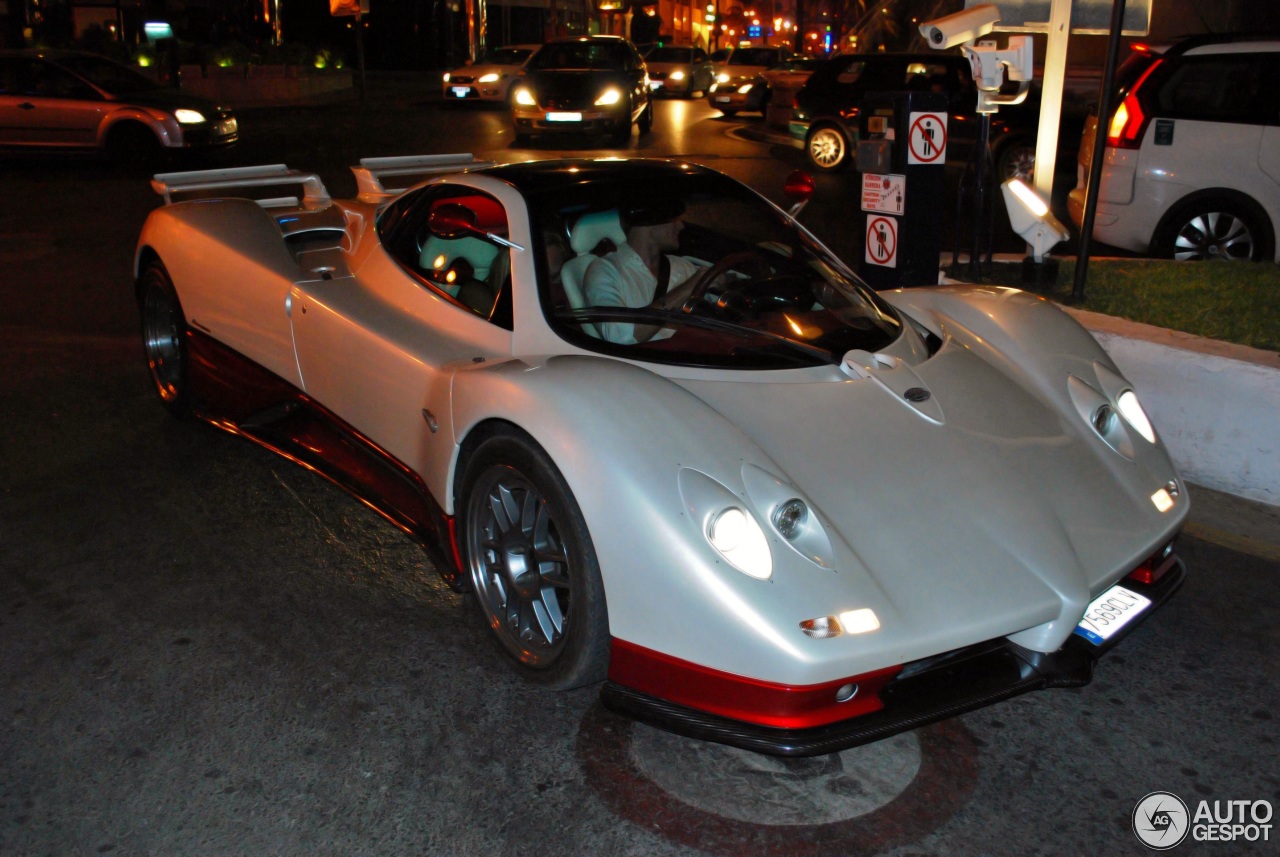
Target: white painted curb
x=1215, y=405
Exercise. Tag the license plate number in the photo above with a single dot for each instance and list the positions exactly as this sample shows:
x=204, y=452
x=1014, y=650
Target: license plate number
x=1110, y=612
x=461, y=91
x=723, y=99
x=564, y=117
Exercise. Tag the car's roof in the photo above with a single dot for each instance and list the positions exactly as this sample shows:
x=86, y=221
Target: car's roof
x=1213, y=43
x=565, y=40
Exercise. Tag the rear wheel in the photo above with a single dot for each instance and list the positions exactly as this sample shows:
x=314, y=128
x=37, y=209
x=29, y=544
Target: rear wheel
x=164, y=338
x=827, y=148
x=1215, y=227
x=532, y=565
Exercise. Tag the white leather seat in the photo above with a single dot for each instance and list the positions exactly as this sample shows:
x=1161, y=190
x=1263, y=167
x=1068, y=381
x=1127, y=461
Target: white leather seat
x=584, y=236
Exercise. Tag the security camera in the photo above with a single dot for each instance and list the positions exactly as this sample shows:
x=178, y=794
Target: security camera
x=962, y=27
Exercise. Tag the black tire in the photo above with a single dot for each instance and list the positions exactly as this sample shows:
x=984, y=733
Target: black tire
x=1213, y=227
x=523, y=139
x=549, y=615
x=622, y=132
x=729, y=111
x=134, y=147
x=827, y=148
x=646, y=118
x=164, y=339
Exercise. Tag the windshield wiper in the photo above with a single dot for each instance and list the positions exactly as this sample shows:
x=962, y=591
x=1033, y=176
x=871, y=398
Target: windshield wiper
x=593, y=314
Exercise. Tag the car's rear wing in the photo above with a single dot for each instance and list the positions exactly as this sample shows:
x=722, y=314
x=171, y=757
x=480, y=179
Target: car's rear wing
x=369, y=179
x=315, y=195
x=370, y=173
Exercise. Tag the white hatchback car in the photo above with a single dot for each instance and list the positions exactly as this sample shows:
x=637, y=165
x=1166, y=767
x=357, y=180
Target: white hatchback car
x=491, y=78
x=1192, y=167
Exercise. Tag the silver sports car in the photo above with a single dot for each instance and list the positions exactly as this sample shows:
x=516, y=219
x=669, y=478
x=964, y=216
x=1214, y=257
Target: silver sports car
x=795, y=515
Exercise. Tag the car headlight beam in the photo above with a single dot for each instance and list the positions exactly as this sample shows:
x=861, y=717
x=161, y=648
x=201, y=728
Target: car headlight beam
x=744, y=89
x=677, y=75
x=525, y=97
x=737, y=537
x=491, y=77
x=609, y=96
x=188, y=117
x=1132, y=411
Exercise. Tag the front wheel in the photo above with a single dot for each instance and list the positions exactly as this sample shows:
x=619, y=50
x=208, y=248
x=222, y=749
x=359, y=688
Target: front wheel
x=646, y=118
x=622, y=131
x=1017, y=160
x=164, y=338
x=532, y=565
x=1215, y=228
x=827, y=148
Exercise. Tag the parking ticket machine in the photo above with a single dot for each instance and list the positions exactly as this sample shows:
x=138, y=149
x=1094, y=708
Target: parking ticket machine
x=901, y=161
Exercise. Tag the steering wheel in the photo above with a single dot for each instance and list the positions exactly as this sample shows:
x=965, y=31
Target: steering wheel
x=752, y=261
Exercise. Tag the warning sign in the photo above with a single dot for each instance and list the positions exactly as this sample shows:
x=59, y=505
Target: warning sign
x=884, y=194
x=882, y=241
x=927, y=140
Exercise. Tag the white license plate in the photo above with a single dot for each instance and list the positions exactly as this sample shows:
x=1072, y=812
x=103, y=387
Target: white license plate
x=655, y=84
x=564, y=117
x=723, y=99
x=1110, y=612
x=461, y=91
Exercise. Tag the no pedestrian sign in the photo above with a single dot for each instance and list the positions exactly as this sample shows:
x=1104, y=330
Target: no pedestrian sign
x=927, y=139
x=883, y=194
x=882, y=241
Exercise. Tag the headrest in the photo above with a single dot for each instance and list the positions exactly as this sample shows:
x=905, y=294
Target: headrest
x=589, y=229
x=439, y=254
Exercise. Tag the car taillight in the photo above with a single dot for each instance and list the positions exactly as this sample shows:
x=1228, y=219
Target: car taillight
x=1155, y=566
x=1129, y=122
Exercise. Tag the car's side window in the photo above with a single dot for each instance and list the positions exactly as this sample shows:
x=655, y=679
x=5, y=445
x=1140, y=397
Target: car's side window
x=1222, y=88
x=444, y=236
x=41, y=80
x=699, y=55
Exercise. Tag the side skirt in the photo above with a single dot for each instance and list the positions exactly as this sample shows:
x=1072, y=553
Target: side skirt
x=237, y=395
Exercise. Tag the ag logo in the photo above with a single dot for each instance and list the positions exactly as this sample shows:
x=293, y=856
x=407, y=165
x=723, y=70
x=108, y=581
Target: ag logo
x=1161, y=820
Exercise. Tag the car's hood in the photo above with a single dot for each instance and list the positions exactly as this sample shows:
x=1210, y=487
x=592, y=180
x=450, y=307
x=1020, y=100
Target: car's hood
x=983, y=503
x=744, y=70
x=168, y=99
x=475, y=72
x=575, y=88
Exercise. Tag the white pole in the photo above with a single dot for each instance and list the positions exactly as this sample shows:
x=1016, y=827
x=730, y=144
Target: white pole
x=1055, y=73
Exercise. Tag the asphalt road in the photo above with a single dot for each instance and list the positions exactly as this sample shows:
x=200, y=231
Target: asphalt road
x=205, y=650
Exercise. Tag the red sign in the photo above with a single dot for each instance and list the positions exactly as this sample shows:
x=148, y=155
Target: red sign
x=927, y=139
x=882, y=241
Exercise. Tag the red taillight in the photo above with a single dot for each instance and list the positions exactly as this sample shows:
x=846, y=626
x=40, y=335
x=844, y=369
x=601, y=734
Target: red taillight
x=1129, y=123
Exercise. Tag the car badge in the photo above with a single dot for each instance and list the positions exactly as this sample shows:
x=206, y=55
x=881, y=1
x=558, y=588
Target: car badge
x=917, y=394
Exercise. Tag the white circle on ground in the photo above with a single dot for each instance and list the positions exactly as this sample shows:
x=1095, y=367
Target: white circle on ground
x=751, y=787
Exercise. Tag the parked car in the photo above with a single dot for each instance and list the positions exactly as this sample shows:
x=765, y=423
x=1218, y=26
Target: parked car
x=79, y=101
x=595, y=85
x=491, y=78
x=738, y=86
x=801, y=516
x=682, y=70
x=828, y=109
x=1192, y=158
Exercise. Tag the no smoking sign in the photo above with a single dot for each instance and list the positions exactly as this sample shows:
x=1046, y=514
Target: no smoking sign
x=927, y=139
x=882, y=241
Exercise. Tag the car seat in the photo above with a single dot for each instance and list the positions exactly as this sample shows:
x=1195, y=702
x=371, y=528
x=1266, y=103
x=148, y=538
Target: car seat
x=585, y=238
x=463, y=268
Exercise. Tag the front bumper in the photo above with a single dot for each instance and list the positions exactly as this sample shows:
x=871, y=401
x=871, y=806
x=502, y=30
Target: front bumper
x=222, y=130
x=725, y=96
x=472, y=92
x=593, y=121
x=922, y=692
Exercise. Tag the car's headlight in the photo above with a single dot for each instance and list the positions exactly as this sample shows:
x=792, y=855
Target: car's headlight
x=609, y=96
x=525, y=97
x=446, y=77
x=722, y=78
x=491, y=77
x=188, y=117
x=744, y=89
x=677, y=75
x=739, y=539
x=1132, y=411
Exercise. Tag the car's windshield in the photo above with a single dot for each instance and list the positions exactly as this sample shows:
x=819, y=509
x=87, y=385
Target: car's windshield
x=678, y=55
x=581, y=55
x=753, y=56
x=507, y=56
x=110, y=76
x=774, y=298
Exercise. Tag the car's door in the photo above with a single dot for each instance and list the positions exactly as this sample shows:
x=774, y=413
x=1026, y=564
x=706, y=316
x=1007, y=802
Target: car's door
x=378, y=348
x=701, y=74
x=44, y=105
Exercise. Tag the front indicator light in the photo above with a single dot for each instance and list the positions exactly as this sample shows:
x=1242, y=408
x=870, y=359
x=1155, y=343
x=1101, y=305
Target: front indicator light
x=739, y=539
x=1137, y=417
x=525, y=98
x=860, y=621
x=188, y=117
x=1163, y=500
x=609, y=96
x=821, y=629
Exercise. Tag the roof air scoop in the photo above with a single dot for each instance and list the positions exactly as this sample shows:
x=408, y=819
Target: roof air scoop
x=896, y=378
